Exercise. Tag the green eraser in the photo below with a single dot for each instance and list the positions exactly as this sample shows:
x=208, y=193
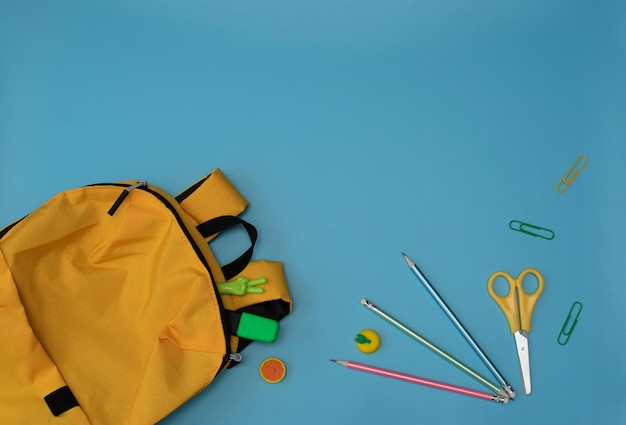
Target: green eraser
x=257, y=328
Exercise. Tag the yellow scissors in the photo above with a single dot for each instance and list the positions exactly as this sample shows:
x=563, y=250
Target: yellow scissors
x=518, y=306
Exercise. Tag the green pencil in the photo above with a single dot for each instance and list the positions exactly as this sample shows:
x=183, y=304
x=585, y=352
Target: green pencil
x=432, y=347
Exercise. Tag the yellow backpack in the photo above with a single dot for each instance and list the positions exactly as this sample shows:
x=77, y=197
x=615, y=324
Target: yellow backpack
x=111, y=309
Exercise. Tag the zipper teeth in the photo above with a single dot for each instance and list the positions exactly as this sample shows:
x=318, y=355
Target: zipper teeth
x=198, y=252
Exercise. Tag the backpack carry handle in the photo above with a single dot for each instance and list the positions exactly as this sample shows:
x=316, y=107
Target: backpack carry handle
x=218, y=224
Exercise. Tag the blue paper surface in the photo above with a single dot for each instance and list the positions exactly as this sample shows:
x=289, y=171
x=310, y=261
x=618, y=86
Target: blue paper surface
x=358, y=130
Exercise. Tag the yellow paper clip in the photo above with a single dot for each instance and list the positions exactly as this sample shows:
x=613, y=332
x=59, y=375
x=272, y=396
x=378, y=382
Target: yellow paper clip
x=565, y=330
x=531, y=229
x=572, y=173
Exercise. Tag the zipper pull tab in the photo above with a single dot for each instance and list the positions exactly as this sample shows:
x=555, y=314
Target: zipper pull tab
x=124, y=194
x=235, y=357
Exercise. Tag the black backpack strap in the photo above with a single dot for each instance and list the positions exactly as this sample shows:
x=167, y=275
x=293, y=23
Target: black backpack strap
x=218, y=224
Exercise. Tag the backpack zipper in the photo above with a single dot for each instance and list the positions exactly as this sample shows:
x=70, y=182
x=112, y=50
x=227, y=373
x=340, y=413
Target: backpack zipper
x=142, y=185
x=124, y=194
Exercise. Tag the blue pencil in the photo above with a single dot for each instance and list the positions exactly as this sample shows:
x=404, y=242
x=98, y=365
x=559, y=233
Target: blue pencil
x=505, y=385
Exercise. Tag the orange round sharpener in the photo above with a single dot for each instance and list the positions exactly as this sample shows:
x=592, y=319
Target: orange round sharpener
x=272, y=370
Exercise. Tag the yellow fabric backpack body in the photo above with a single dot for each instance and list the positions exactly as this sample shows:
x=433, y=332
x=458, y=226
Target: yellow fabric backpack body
x=110, y=309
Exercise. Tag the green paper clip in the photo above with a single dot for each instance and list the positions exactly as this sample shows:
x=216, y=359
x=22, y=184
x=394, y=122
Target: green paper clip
x=565, y=332
x=572, y=173
x=536, y=231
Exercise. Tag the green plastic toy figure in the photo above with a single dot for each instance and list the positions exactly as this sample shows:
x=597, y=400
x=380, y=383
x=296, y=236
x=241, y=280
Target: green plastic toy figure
x=241, y=286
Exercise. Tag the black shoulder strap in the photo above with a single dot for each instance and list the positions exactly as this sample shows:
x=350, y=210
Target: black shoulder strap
x=218, y=224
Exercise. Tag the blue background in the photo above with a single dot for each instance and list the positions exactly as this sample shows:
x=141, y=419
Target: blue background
x=357, y=130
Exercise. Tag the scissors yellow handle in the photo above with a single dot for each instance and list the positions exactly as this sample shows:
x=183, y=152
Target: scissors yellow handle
x=518, y=304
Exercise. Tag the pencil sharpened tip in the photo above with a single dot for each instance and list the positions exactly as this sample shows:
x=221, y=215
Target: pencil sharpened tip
x=408, y=260
x=335, y=361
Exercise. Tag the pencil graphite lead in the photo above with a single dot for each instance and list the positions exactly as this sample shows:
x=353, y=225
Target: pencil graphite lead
x=408, y=260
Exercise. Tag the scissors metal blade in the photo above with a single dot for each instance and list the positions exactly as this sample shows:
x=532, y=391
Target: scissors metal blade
x=523, y=355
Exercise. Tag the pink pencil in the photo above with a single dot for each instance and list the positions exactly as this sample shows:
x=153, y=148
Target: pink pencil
x=421, y=381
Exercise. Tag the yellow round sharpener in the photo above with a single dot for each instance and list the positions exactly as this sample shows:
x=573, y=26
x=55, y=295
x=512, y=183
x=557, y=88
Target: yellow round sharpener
x=367, y=341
